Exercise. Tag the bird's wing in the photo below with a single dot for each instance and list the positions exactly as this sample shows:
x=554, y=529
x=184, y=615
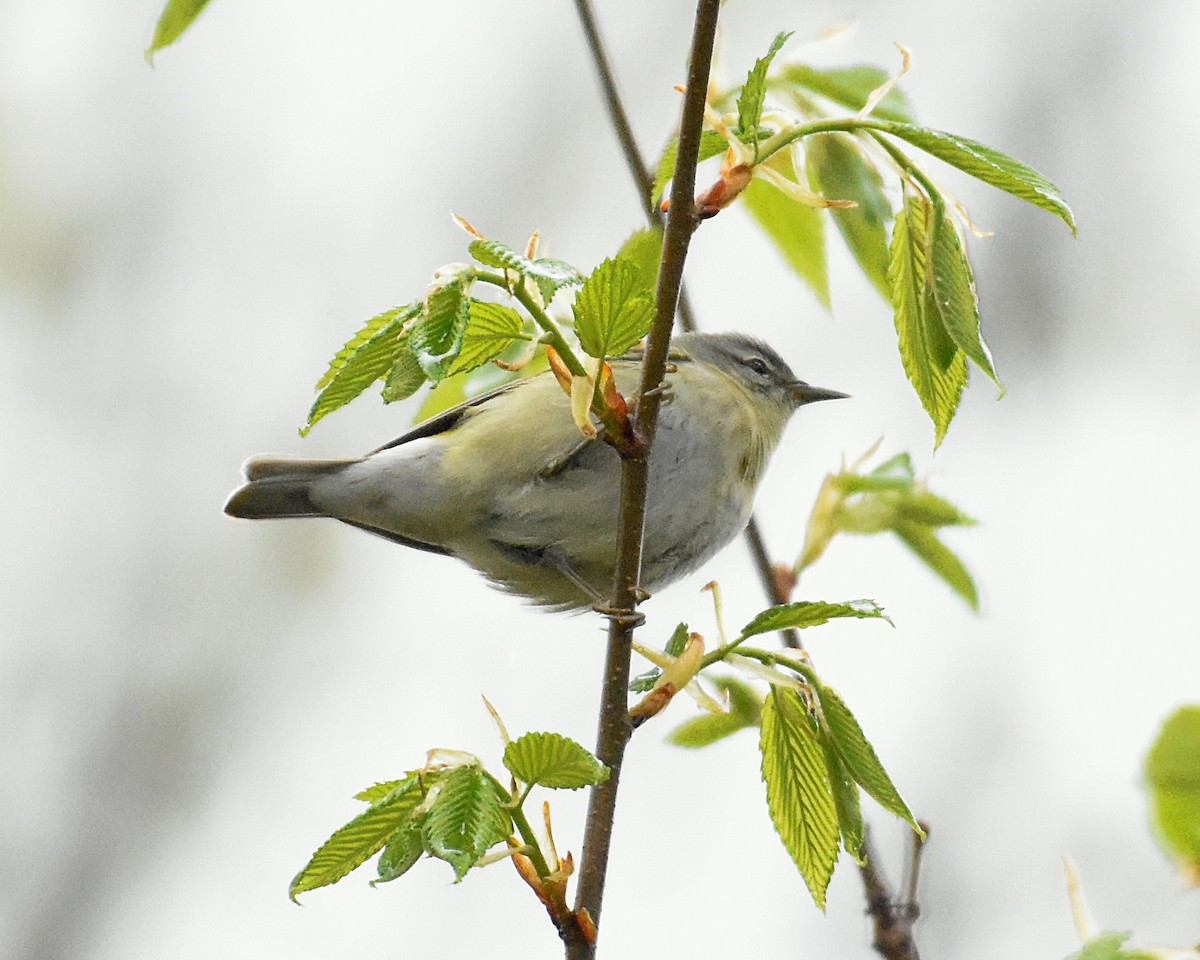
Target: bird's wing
x=448, y=419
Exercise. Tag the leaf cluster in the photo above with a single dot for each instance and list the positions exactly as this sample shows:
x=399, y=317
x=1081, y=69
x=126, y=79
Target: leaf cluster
x=455, y=811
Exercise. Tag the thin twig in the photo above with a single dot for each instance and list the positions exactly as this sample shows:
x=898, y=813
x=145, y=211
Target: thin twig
x=614, y=728
x=892, y=918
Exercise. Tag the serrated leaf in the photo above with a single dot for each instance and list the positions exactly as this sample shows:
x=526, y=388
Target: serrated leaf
x=404, y=379
x=549, y=274
x=643, y=249
x=955, y=298
x=811, y=613
x=845, y=799
x=366, y=357
x=491, y=329
x=176, y=17
x=934, y=365
x=493, y=253
x=859, y=756
x=712, y=144
x=989, y=165
x=923, y=542
x=612, y=310
x=850, y=87
x=745, y=706
x=402, y=851
x=437, y=337
x=552, y=760
x=796, y=229
x=377, y=791
x=465, y=820
x=799, y=795
x=754, y=90
x=837, y=170
x=1173, y=778
x=360, y=839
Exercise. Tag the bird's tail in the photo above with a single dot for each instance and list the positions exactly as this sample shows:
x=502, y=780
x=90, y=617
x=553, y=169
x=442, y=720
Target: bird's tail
x=276, y=488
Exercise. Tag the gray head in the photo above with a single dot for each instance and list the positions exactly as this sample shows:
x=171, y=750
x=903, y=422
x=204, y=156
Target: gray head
x=753, y=363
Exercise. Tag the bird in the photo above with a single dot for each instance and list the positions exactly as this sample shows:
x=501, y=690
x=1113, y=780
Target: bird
x=507, y=482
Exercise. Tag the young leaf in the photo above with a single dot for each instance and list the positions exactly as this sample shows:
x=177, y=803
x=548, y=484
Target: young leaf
x=377, y=791
x=1107, y=946
x=859, y=756
x=845, y=799
x=437, y=339
x=404, y=379
x=923, y=542
x=176, y=17
x=810, y=613
x=837, y=169
x=550, y=275
x=612, y=311
x=367, y=356
x=796, y=229
x=849, y=87
x=643, y=249
x=491, y=329
x=645, y=682
x=954, y=295
x=754, y=90
x=989, y=165
x=1173, y=778
x=745, y=706
x=552, y=760
x=934, y=365
x=712, y=144
x=402, y=851
x=465, y=820
x=799, y=795
x=360, y=839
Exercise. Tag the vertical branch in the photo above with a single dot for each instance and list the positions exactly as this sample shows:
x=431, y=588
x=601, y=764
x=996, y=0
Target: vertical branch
x=892, y=917
x=614, y=728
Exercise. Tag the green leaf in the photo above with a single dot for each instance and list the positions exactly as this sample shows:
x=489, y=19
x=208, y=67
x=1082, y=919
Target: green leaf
x=552, y=760
x=954, y=295
x=839, y=171
x=643, y=249
x=549, y=274
x=466, y=819
x=176, y=17
x=845, y=799
x=849, y=87
x=859, y=756
x=796, y=229
x=711, y=144
x=754, y=90
x=377, y=791
x=404, y=379
x=491, y=329
x=437, y=339
x=923, y=542
x=1173, y=779
x=612, y=310
x=745, y=706
x=799, y=795
x=403, y=850
x=989, y=165
x=360, y=839
x=810, y=613
x=1105, y=946
x=936, y=368
x=367, y=356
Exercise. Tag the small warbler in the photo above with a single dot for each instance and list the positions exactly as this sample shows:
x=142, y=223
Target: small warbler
x=507, y=483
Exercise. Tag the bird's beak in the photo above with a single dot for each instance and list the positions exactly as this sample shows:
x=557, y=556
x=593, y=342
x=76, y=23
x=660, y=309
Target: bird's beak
x=803, y=393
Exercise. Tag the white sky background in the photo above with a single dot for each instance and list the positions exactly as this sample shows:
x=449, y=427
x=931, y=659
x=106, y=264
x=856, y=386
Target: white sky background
x=188, y=703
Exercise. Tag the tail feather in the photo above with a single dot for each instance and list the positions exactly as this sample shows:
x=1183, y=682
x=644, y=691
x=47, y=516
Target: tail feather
x=277, y=488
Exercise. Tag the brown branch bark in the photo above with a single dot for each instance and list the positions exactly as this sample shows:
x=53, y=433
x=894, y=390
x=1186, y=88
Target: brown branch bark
x=892, y=916
x=614, y=728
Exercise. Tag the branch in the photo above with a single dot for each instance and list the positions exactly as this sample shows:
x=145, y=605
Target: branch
x=892, y=918
x=614, y=728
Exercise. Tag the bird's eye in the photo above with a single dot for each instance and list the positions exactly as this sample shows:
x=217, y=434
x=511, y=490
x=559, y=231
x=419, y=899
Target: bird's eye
x=758, y=365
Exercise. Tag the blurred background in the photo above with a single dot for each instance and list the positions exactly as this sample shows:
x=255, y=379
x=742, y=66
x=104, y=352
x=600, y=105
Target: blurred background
x=187, y=703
